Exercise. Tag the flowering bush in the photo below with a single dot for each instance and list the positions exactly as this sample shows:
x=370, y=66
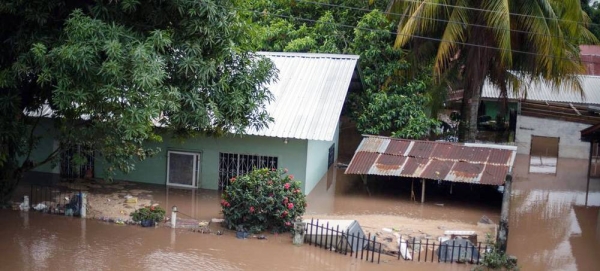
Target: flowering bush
x=263, y=199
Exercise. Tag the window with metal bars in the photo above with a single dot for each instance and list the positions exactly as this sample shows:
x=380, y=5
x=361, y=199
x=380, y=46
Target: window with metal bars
x=234, y=164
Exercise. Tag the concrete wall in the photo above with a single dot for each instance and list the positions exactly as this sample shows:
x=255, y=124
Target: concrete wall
x=317, y=156
x=153, y=170
x=570, y=145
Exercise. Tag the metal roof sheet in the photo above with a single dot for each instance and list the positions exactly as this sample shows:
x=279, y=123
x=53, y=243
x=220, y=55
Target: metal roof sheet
x=455, y=162
x=542, y=91
x=308, y=95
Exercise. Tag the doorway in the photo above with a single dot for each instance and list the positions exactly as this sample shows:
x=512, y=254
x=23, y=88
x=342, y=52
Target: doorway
x=543, y=154
x=182, y=169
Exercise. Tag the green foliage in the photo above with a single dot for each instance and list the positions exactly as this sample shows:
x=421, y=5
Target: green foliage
x=153, y=213
x=495, y=259
x=263, y=199
x=113, y=70
x=392, y=103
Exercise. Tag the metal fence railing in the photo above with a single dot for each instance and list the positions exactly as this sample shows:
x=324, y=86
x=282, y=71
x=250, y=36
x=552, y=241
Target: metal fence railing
x=343, y=241
x=55, y=200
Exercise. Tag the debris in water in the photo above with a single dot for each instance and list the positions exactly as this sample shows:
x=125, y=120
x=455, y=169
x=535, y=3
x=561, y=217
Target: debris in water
x=217, y=220
x=387, y=230
x=261, y=237
x=440, y=204
x=219, y=233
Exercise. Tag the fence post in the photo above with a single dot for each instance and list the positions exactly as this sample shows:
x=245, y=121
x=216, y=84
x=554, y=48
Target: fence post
x=174, y=216
x=299, y=228
x=83, y=211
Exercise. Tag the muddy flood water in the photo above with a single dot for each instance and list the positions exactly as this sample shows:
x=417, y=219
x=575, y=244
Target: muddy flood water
x=552, y=227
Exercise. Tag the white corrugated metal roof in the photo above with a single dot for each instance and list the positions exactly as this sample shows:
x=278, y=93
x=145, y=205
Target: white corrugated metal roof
x=308, y=95
x=541, y=91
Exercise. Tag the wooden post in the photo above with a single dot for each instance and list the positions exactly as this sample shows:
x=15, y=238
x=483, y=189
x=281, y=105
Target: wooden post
x=587, y=189
x=423, y=191
x=502, y=236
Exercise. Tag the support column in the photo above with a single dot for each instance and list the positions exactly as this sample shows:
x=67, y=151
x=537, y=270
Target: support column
x=502, y=236
x=587, y=189
x=423, y=191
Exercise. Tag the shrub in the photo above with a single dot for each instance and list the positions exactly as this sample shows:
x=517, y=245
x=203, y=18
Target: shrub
x=153, y=213
x=494, y=259
x=263, y=200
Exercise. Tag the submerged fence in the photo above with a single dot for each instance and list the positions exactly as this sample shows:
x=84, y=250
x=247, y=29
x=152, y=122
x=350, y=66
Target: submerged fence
x=55, y=200
x=449, y=251
x=345, y=241
x=349, y=239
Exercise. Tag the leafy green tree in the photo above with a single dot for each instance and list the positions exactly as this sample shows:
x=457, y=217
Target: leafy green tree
x=113, y=70
x=505, y=42
x=393, y=103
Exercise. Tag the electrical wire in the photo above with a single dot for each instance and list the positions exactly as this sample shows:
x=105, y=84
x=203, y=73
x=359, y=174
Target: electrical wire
x=432, y=19
x=413, y=36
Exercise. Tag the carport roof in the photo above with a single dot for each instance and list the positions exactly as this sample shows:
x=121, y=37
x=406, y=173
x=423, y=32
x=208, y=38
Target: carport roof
x=455, y=162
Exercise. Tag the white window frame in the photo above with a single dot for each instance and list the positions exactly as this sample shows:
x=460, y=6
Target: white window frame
x=196, y=169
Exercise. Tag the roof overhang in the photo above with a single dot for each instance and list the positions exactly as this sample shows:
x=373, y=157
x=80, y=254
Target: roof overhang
x=455, y=162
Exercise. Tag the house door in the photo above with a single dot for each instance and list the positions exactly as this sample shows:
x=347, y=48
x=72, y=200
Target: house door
x=182, y=169
x=543, y=154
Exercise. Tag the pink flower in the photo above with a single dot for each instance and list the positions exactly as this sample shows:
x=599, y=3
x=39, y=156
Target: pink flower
x=291, y=177
x=251, y=209
x=285, y=170
x=270, y=182
x=232, y=180
x=272, y=169
x=285, y=200
x=284, y=214
x=271, y=195
x=287, y=223
x=290, y=206
x=286, y=186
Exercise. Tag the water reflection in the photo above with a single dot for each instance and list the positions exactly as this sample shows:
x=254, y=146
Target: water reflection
x=551, y=227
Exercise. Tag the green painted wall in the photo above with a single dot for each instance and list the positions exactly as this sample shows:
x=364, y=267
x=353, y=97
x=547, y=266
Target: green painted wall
x=153, y=170
x=46, y=133
x=492, y=108
x=316, y=160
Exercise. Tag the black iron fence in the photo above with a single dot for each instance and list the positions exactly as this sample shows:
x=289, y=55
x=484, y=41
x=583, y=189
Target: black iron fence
x=347, y=240
x=449, y=251
x=55, y=200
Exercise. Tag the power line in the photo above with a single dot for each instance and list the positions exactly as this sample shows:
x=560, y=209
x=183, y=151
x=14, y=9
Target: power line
x=434, y=19
x=414, y=36
x=492, y=11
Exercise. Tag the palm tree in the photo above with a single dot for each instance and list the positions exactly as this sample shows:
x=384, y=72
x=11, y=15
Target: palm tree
x=504, y=41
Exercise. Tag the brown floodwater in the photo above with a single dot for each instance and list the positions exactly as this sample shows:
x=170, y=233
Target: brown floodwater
x=551, y=227
x=34, y=241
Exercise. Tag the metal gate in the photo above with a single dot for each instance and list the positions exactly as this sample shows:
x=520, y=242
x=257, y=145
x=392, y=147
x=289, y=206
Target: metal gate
x=233, y=164
x=77, y=162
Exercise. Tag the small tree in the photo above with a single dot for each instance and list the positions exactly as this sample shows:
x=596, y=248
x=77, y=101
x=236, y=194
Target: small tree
x=263, y=199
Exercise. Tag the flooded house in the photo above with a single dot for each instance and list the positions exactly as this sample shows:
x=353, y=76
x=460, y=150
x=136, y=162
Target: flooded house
x=548, y=120
x=308, y=98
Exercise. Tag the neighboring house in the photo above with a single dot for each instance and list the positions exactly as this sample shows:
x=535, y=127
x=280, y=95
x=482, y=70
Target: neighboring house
x=308, y=99
x=549, y=120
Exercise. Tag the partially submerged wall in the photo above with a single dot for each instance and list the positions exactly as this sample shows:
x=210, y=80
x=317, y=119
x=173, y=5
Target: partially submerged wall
x=570, y=144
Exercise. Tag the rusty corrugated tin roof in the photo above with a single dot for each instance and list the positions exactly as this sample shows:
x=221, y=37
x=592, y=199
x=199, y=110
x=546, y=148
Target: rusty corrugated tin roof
x=455, y=162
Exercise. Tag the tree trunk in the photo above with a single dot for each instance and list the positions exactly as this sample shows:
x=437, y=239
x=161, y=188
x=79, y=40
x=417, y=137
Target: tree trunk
x=10, y=176
x=477, y=66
